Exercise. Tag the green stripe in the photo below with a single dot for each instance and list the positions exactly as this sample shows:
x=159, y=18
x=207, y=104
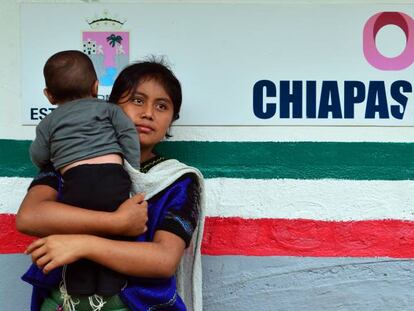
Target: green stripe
x=14, y=159
x=301, y=160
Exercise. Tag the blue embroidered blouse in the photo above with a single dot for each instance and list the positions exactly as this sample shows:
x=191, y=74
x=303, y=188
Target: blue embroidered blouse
x=175, y=209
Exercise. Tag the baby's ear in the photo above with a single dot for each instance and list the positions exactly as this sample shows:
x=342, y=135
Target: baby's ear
x=49, y=96
x=94, y=90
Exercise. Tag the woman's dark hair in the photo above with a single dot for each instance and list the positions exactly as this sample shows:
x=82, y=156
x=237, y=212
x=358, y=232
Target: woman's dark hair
x=152, y=69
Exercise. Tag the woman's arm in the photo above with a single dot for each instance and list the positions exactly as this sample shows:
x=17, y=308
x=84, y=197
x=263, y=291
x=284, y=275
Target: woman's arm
x=157, y=259
x=40, y=215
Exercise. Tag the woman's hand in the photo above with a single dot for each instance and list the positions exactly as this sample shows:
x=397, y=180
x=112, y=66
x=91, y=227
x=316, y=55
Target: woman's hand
x=159, y=258
x=41, y=215
x=132, y=215
x=57, y=250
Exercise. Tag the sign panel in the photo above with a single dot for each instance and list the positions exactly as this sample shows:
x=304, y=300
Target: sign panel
x=241, y=64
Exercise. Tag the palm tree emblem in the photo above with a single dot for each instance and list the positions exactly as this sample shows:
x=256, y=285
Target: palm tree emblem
x=112, y=40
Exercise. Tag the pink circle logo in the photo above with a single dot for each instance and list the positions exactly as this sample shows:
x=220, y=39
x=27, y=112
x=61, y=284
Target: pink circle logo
x=371, y=53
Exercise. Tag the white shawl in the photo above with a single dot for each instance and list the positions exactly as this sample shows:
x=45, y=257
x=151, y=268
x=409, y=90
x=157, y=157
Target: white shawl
x=189, y=273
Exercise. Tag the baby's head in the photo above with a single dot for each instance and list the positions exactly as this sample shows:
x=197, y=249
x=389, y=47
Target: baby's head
x=69, y=75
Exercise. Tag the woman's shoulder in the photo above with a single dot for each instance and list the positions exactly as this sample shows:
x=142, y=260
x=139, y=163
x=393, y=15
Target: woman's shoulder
x=169, y=166
x=162, y=173
x=184, y=186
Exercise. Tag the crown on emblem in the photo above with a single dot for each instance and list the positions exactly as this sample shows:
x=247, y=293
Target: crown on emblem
x=106, y=20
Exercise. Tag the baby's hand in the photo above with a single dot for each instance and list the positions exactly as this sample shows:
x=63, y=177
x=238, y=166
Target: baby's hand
x=132, y=216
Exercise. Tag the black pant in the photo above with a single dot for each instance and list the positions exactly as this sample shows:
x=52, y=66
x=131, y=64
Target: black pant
x=100, y=187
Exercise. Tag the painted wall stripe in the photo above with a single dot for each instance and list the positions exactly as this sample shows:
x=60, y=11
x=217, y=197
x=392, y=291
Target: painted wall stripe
x=245, y=283
x=279, y=237
x=323, y=199
x=266, y=160
x=283, y=133
x=301, y=237
x=14, y=159
x=272, y=283
x=12, y=241
x=12, y=191
x=14, y=293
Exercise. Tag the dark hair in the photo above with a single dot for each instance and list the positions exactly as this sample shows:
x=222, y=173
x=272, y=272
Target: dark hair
x=69, y=75
x=152, y=69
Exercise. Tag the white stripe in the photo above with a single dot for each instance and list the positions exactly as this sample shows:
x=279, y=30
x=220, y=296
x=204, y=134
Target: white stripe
x=326, y=199
x=292, y=133
x=12, y=191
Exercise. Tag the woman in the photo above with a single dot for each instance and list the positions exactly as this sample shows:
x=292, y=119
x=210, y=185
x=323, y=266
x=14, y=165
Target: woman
x=150, y=95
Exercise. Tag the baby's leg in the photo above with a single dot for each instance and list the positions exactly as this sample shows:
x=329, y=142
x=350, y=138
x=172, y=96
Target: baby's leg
x=101, y=187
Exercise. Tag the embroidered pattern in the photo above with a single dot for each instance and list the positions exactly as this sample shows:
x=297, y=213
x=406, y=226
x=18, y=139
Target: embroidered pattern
x=186, y=225
x=45, y=174
x=151, y=163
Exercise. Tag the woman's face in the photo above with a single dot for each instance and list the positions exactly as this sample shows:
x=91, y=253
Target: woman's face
x=151, y=110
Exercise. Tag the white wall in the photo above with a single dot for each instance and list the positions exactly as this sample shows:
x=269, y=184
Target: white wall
x=10, y=94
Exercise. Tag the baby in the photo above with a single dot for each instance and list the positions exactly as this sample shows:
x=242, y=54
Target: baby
x=86, y=140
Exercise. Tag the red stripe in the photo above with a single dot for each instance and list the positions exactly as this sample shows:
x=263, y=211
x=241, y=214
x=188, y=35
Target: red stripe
x=311, y=238
x=279, y=237
x=12, y=241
